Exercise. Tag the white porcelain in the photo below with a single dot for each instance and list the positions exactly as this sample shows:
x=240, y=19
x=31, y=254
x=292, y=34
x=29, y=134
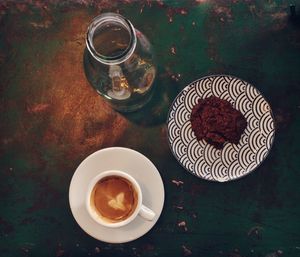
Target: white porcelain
x=140, y=209
x=136, y=165
x=233, y=161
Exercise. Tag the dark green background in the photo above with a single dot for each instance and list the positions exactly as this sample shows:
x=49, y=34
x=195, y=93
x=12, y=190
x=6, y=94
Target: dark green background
x=51, y=120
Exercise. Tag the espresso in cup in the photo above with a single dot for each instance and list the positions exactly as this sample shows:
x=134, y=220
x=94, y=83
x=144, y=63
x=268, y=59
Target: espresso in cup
x=114, y=198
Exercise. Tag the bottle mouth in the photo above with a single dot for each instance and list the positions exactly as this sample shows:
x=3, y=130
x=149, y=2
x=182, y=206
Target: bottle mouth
x=111, y=38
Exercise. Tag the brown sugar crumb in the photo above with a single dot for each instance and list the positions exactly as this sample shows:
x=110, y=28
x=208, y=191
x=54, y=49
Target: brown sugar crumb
x=216, y=121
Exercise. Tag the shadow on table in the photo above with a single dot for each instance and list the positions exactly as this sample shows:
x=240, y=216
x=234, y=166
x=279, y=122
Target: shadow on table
x=156, y=111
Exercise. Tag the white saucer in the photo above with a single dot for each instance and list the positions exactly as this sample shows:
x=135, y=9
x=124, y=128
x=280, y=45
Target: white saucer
x=135, y=164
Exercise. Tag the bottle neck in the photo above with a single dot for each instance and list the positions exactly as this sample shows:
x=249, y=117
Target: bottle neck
x=111, y=39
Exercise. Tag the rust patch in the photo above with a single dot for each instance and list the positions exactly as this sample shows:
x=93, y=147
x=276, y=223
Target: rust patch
x=223, y=12
x=177, y=182
x=201, y=1
x=186, y=251
x=177, y=207
x=37, y=108
x=171, y=12
x=279, y=20
x=44, y=25
x=183, y=225
x=173, y=50
x=66, y=112
x=87, y=120
x=97, y=250
x=275, y=254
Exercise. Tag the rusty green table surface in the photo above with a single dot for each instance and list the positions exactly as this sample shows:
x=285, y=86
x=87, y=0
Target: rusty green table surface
x=51, y=119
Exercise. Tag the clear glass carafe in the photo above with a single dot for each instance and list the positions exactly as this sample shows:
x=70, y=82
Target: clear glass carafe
x=119, y=62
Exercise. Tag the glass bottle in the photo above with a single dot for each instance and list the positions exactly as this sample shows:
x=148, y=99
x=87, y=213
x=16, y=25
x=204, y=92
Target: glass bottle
x=119, y=62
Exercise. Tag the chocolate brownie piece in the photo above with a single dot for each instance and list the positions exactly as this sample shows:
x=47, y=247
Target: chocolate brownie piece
x=216, y=121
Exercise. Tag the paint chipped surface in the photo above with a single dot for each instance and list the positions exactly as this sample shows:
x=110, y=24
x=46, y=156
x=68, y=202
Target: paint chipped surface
x=51, y=119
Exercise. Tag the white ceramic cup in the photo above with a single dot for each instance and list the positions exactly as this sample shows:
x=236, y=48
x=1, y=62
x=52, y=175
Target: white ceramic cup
x=140, y=209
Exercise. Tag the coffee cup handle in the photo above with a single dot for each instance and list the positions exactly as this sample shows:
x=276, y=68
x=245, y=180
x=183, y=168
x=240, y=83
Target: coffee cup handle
x=146, y=213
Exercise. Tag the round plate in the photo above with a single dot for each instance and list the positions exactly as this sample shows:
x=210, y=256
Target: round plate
x=233, y=161
x=135, y=164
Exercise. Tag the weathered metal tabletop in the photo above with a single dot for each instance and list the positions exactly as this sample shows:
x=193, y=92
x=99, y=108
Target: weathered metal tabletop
x=51, y=119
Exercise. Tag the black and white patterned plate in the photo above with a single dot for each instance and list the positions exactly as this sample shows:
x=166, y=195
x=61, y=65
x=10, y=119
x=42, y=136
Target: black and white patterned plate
x=233, y=161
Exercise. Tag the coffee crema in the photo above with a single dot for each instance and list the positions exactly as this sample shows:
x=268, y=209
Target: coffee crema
x=114, y=198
